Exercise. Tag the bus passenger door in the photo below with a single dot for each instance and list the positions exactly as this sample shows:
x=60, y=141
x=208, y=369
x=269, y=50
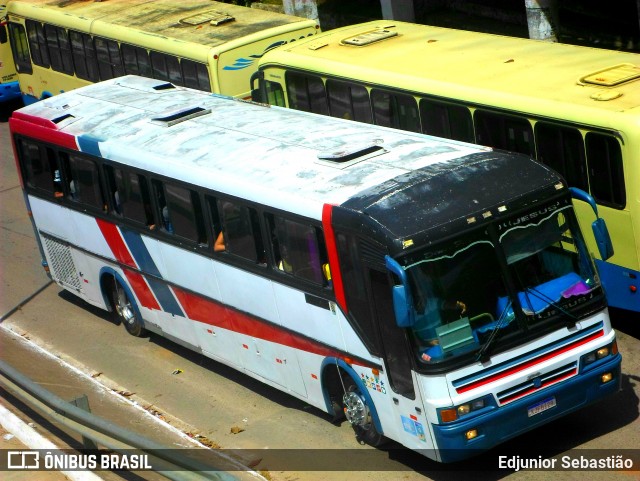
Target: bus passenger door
x=407, y=408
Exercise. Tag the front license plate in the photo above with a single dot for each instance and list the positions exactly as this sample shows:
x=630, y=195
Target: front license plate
x=542, y=406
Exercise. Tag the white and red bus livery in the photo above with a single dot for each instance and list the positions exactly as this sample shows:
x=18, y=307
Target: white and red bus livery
x=436, y=293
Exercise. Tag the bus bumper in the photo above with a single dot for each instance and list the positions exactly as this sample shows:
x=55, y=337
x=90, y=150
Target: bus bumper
x=500, y=424
x=9, y=91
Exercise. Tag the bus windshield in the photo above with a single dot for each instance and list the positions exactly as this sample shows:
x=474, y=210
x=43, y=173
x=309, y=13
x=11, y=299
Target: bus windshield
x=477, y=293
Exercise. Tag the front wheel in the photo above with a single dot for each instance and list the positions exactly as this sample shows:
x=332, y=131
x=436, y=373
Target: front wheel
x=358, y=413
x=125, y=311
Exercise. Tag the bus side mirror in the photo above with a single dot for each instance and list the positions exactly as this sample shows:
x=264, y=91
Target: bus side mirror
x=256, y=91
x=599, y=226
x=401, y=307
x=402, y=303
x=603, y=239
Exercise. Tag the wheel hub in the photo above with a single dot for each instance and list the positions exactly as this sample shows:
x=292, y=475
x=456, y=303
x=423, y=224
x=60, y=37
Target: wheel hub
x=355, y=410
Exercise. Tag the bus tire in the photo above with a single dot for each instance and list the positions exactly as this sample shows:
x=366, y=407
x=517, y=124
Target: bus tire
x=125, y=310
x=358, y=413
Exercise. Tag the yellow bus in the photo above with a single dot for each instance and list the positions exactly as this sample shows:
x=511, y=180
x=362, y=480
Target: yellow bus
x=573, y=108
x=202, y=44
x=9, y=88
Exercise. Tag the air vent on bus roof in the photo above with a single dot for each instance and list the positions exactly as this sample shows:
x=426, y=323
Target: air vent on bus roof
x=368, y=38
x=214, y=17
x=348, y=157
x=612, y=76
x=168, y=119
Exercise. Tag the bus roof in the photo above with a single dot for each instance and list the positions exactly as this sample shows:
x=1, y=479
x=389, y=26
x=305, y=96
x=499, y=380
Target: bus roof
x=202, y=22
x=472, y=66
x=285, y=158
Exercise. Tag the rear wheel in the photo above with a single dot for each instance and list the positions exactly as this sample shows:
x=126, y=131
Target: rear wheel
x=125, y=310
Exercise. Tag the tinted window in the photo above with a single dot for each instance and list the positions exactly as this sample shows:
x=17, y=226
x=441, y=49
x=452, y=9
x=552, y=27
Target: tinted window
x=298, y=249
x=185, y=212
x=307, y=93
x=275, y=93
x=84, y=56
x=109, y=60
x=136, y=61
x=446, y=120
x=37, y=43
x=349, y=101
x=504, y=132
x=241, y=231
x=395, y=110
x=83, y=181
x=562, y=149
x=166, y=67
x=59, y=49
x=39, y=167
x=195, y=75
x=605, y=169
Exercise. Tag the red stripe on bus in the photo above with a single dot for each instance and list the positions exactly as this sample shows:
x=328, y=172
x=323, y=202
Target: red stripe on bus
x=213, y=313
x=332, y=253
x=41, y=129
x=532, y=362
x=119, y=249
x=116, y=243
x=141, y=290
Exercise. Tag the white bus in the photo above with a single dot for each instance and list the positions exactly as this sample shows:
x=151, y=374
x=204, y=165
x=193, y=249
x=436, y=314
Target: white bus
x=411, y=283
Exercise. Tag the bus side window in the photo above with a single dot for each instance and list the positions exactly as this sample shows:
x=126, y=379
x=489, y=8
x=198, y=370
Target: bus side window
x=504, y=132
x=349, y=101
x=606, y=177
x=166, y=67
x=162, y=207
x=37, y=43
x=185, y=213
x=59, y=49
x=398, y=111
x=195, y=75
x=136, y=60
x=39, y=167
x=83, y=180
x=109, y=58
x=132, y=196
x=20, y=48
x=562, y=149
x=446, y=120
x=298, y=248
x=307, y=93
x=213, y=217
x=85, y=61
x=241, y=230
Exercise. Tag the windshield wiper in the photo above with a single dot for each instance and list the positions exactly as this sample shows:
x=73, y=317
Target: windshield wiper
x=484, y=352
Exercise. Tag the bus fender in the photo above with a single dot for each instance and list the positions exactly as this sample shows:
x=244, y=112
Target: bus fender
x=332, y=362
x=108, y=271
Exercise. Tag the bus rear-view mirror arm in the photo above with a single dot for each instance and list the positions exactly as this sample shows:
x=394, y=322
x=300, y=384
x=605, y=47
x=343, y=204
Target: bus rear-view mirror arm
x=402, y=303
x=599, y=226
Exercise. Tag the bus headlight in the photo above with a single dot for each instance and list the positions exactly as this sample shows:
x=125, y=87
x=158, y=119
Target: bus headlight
x=448, y=415
x=600, y=353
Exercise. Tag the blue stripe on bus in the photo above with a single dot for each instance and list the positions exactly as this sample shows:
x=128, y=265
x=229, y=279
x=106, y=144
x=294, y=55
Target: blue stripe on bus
x=89, y=145
x=147, y=265
x=165, y=297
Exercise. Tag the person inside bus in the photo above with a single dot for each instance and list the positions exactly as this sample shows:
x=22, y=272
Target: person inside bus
x=219, y=245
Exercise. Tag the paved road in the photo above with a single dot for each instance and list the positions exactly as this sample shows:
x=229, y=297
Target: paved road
x=233, y=411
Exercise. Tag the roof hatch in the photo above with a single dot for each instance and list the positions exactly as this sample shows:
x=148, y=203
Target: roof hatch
x=612, y=76
x=167, y=119
x=347, y=157
x=368, y=38
x=214, y=18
